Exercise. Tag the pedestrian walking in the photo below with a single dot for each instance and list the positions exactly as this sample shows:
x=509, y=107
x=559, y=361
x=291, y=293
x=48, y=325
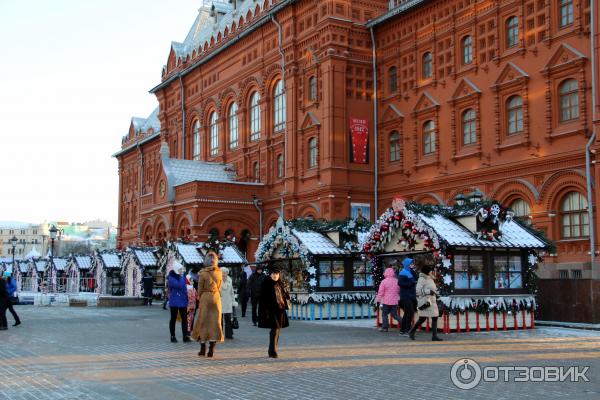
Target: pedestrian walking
x=227, y=300
x=242, y=291
x=178, y=300
x=272, y=309
x=408, y=296
x=3, y=305
x=388, y=295
x=192, y=302
x=255, y=283
x=11, y=288
x=148, y=285
x=426, y=303
x=207, y=327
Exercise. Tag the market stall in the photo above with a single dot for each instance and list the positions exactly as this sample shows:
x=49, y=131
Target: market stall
x=485, y=260
x=56, y=276
x=322, y=265
x=107, y=271
x=80, y=275
x=135, y=261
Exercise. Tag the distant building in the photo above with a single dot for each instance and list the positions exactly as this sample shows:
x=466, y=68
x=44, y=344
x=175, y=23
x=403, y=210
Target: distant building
x=32, y=239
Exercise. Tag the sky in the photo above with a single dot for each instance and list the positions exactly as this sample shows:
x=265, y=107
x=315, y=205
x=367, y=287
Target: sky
x=72, y=74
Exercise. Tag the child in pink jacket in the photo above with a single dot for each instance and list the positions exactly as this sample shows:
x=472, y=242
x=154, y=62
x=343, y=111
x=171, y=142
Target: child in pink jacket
x=388, y=295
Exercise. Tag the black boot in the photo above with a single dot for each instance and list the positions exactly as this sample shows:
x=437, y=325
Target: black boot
x=202, y=351
x=186, y=339
x=411, y=333
x=17, y=323
x=211, y=349
x=434, y=336
x=173, y=339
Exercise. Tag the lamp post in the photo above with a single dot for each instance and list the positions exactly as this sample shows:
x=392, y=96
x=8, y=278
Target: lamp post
x=460, y=199
x=476, y=196
x=13, y=243
x=53, y=232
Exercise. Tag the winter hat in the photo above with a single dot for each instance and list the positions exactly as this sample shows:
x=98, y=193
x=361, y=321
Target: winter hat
x=274, y=270
x=177, y=267
x=7, y=274
x=406, y=262
x=225, y=270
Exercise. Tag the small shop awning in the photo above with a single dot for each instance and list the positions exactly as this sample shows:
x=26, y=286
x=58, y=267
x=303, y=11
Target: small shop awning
x=453, y=233
x=40, y=266
x=83, y=262
x=231, y=255
x=189, y=253
x=110, y=260
x=317, y=243
x=60, y=263
x=146, y=258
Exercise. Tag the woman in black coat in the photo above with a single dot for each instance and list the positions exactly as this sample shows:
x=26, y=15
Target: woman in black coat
x=272, y=309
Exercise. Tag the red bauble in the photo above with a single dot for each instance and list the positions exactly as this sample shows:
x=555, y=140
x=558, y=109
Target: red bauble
x=397, y=218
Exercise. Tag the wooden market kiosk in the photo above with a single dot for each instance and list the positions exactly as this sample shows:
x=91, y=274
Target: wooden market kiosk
x=324, y=270
x=485, y=260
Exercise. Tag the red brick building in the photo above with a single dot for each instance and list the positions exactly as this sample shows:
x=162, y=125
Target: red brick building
x=257, y=104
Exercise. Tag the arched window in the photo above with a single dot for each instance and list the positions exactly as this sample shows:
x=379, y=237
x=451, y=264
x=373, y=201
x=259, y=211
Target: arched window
x=574, y=213
x=467, y=50
x=279, y=106
x=427, y=65
x=393, y=79
x=312, y=88
x=256, y=171
x=233, y=126
x=566, y=12
x=214, y=134
x=280, y=166
x=312, y=153
x=428, y=137
x=255, y=116
x=469, y=127
x=394, y=146
x=521, y=208
x=514, y=114
x=196, y=140
x=569, y=100
x=512, y=32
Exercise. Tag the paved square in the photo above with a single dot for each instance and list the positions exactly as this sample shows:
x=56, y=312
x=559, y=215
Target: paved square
x=125, y=353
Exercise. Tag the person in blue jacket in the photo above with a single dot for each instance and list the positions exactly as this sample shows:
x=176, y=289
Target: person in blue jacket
x=178, y=300
x=3, y=304
x=11, y=287
x=408, y=296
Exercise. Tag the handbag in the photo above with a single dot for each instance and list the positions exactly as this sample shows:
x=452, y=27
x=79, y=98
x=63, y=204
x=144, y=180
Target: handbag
x=424, y=305
x=234, y=323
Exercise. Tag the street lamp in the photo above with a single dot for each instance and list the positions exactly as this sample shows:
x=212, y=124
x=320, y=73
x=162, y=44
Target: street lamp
x=13, y=243
x=476, y=196
x=53, y=232
x=460, y=199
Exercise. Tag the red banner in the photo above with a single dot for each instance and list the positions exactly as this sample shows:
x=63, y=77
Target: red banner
x=359, y=137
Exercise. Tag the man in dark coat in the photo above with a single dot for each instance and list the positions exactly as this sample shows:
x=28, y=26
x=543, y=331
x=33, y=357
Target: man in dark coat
x=148, y=284
x=3, y=305
x=11, y=288
x=242, y=291
x=254, y=283
x=408, y=296
x=272, y=309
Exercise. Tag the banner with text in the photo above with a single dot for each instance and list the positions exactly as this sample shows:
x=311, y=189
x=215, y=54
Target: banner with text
x=359, y=139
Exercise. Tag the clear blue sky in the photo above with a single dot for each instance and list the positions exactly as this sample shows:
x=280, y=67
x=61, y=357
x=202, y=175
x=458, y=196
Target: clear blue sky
x=72, y=74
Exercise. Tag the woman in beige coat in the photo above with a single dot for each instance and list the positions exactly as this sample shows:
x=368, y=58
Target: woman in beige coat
x=208, y=324
x=426, y=303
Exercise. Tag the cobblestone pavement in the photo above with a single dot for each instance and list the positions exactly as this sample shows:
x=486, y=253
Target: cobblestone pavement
x=125, y=353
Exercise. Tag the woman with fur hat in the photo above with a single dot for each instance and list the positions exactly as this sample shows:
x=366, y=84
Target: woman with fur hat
x=227, y=299
x=178, y=300
x=207, y=327
x=272, y=308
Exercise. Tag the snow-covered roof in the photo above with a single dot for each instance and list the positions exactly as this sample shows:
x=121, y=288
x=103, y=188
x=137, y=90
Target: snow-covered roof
x=40, y=266
x=190, y=253
x=146, y=258
x=60, y=263
x=84, y=262
x=144, y=124
x=110, y=260
x=317, y=243
x=23, y=266
x=185, y=171
x=513, y=234
x=231, y=255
